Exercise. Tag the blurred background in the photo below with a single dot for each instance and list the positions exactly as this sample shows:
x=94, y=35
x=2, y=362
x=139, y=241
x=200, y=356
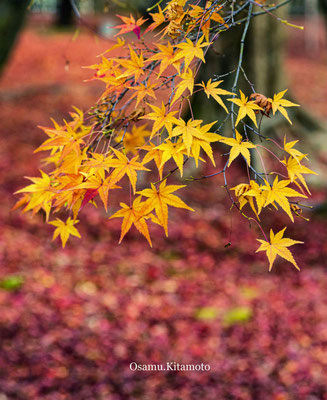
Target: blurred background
x=72, y=320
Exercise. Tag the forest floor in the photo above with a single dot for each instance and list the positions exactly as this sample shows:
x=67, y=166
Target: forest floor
x=72, y=320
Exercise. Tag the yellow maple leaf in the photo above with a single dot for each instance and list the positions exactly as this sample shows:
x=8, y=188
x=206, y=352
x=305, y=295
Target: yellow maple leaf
x=212, y=90
x=41, y=194
x=131, y=215
x=173, y=150
x=133, y=140
x=114, y=82
x=188, y=131
x=153, y=153
x=205, y=16
x=278, y=104
x=38, y=185
x=243, y=198
x=166, y=56
x=67, y=193
x=159, y=200
x=71, y=163
x=189, y=50
x=259, y=192
x=134, y=65
x=98, y=163
x=204, y=143
x=278, y=246
x=102, y=68
x=161, y=118
x=67, y=139
x=296, y=170
x=120, y=43
x=187, y=82
x=77, y=122
x=65, y=229
x=238, y=147
x=109, y=71
x=245, y=108
x=279, y=192
x=37, y=196
x=141, y=91
x=123, y=166
x=288, y=147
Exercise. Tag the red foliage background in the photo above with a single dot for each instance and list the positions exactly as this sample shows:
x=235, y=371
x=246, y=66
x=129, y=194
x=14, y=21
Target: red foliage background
x=76, y=318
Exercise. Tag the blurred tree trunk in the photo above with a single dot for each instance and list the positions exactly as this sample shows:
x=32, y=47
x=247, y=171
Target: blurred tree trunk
x=65, y=14
x=323, y=8
x=12, y=15
x=100, y=5
x=265, y=54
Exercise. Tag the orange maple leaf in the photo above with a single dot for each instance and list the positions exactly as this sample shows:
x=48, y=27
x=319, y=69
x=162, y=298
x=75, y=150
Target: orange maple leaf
x=158, y=19
x=130, y=24
x=141, y=91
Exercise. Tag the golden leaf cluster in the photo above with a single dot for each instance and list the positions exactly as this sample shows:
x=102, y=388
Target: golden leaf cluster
x=135, y=136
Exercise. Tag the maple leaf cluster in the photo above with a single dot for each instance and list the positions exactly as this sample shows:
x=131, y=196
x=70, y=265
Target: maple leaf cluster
x=129, y=136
